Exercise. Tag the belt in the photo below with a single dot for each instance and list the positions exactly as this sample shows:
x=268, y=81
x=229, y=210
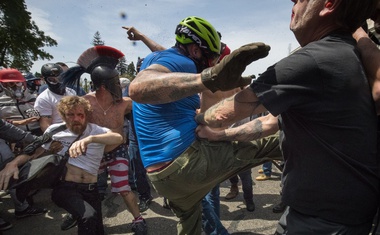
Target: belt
x=160, y=168
x=82, y=186
x=181, y=160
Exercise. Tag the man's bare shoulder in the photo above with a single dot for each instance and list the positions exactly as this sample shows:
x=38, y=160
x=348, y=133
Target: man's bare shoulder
x=127, y=100
x=89, y=95
x=126, y=104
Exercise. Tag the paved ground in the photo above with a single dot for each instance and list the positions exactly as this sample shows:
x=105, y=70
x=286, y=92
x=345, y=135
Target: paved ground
x=160, y=221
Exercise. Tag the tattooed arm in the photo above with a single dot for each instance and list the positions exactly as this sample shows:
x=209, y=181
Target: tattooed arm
x=230, y=110
x=253, y=130
x=157, y=84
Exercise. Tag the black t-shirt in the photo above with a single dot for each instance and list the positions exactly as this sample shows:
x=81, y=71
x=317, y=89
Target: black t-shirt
x=329, y=124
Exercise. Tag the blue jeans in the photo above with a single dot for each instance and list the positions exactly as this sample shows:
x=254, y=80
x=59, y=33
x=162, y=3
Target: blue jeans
x=267, y=168
x=246, y=181
x=138, y=179
x=211, y=213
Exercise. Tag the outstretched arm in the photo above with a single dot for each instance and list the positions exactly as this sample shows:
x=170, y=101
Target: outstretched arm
x=110, y=139
x=135, y=35
x=156, y=84
x=253, y=130
x=10, y=132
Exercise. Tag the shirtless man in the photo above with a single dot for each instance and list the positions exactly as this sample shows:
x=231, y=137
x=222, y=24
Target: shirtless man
x=109, y=109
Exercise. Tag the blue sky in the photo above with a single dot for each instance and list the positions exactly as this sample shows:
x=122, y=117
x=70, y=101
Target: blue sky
x=73, y=24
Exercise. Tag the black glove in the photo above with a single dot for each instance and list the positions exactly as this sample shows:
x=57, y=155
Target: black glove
x=226, y=75
x=46, y=137
x=32, y=147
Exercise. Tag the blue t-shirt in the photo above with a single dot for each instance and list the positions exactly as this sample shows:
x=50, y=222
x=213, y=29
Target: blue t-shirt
x=164, y=131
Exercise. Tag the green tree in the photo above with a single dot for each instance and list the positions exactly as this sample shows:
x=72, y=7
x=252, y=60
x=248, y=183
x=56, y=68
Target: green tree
x=131, y=69
x=21, y=41
x=122, y=66
x=130, y=72
x=97, y=40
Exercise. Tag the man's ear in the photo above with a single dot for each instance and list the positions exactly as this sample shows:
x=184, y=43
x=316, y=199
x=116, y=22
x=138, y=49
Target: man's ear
x=329, y=7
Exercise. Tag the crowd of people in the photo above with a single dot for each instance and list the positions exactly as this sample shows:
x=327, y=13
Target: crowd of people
x=190, y=120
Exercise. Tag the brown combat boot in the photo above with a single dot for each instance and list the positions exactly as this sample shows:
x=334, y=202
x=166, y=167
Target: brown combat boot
x=234, y=191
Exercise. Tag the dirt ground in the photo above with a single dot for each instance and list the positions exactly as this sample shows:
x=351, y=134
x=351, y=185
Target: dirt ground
x=117, y=219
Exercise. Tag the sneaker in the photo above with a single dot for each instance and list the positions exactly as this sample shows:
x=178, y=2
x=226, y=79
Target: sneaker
x=261, y=171
x=166, y=204
x=140, y=228
x=68, y=222
x=234, y=191
x=263, y=177
x=30, y=211
x=250, y=205
x=4, y=225
x=144, y=204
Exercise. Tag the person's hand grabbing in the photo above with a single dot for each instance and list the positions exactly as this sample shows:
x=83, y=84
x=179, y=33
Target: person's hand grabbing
x=79, y=147
x=55, y=147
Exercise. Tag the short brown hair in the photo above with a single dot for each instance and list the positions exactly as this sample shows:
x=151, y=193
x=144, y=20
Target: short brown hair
x=70, y=102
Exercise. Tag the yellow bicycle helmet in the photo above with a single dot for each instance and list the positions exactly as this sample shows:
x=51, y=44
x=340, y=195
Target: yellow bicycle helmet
x=197, y=30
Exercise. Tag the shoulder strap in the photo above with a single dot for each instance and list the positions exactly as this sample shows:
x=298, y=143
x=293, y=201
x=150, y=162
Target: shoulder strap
x=67, y=151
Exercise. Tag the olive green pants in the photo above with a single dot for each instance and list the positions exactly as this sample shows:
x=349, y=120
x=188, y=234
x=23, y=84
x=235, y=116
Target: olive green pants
x=203, y=165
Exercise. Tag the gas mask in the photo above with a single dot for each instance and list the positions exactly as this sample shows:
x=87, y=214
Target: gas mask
x=14, y=90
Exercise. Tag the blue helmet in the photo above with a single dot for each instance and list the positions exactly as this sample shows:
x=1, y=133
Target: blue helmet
x=33, y=83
